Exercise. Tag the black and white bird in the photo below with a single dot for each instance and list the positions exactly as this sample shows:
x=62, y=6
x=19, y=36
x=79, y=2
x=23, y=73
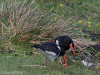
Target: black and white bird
x=49, y=50
x=86, y=61
x=67, y=44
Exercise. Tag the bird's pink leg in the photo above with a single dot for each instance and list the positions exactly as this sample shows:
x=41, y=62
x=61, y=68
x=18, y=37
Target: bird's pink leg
x=46, y=62
x=60, y=61
x=52, y=65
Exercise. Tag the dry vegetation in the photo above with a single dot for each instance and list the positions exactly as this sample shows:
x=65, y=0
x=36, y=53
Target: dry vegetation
x=22, y=21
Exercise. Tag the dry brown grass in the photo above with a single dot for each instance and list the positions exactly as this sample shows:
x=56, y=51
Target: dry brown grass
x=21, y=20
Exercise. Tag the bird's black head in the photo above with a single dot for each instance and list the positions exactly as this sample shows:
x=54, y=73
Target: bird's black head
x=70, y=42
x=82, y=56
x=65, y=42
x=36, y=46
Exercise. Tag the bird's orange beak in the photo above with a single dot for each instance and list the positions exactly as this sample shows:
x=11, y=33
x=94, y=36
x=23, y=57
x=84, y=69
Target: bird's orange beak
x=72, y=48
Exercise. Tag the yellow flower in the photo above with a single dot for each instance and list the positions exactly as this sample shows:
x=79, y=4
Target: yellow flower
x=55, y=18
x=85, y=22
x=97, y=67
x=61, y=5
x=89, y=25
x=79, y=21
x=89, y=22
x=96, y=24
x=89, y=17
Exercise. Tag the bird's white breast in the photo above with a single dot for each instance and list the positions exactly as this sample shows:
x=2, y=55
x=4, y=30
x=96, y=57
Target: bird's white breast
x=87, y=64
x=90, y=64
x=84, y=62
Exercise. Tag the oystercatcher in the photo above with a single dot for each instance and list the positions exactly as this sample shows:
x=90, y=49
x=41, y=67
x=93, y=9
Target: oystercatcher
x=49, y=50
x=86, y=61
x=67, y=44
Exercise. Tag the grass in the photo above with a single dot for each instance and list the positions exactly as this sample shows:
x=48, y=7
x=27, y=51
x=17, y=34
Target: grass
x=43, y=21
x=12, y=64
